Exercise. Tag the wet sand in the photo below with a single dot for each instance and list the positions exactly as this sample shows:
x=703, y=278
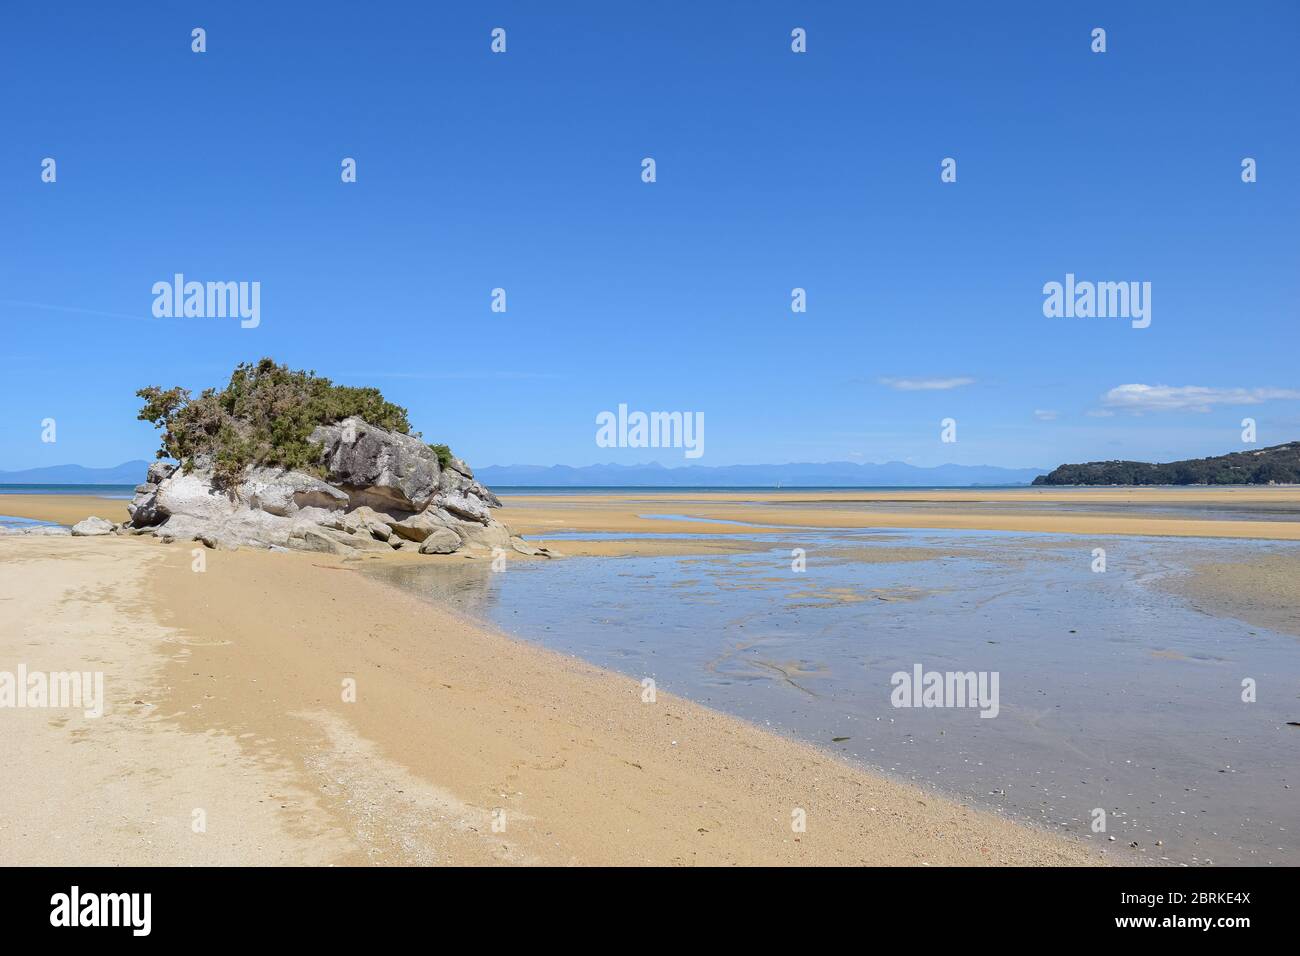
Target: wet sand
x=225, y=693
x=1114, y=693
x=1263, y=590
x=1128, y=512
x=1103, y=511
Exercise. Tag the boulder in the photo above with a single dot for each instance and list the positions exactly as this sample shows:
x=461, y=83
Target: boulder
x=418, y=527
x=440, y=541
x=483, y=537
x=468, y=507
x=92, y=527
x=364, y=520
x=385, y=470
x=318, y=539
x=143, y=508
x=243, y=528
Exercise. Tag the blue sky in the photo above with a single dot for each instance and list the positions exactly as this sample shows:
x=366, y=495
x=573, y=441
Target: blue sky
x=775, y=170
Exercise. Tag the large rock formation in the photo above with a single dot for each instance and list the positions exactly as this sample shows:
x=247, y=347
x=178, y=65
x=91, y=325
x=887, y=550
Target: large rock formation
x=382, y=491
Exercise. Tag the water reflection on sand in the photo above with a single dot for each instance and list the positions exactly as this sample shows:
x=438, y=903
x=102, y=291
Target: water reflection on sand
x=1113, y=694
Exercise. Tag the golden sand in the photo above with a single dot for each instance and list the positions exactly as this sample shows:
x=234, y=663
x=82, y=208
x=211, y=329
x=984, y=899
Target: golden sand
x=777, y=513
x=462, y=746
x=62, y=509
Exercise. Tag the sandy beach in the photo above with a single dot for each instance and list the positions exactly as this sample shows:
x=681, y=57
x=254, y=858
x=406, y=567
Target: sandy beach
x=225, y=700
x=571, y=443
x=225, y=696
x=1119, y=511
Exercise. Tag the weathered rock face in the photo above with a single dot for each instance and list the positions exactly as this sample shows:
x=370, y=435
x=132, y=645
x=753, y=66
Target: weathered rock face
x=142, y=509
x=441, y=541
x=383, y=491
x=418, y=527
x=285, y=493
x=385, y=470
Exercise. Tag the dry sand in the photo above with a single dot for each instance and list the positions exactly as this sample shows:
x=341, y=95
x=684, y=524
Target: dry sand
x=1129, y=512
x=62, y=509
x=777, y=513
x=123, y=788
x=225, y=693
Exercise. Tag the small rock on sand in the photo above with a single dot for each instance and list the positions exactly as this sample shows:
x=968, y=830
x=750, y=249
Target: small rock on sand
x=91, y=527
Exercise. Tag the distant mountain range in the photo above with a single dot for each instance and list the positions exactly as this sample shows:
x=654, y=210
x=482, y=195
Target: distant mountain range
x=127, y=473
x=827, y=474
x=1277, y=464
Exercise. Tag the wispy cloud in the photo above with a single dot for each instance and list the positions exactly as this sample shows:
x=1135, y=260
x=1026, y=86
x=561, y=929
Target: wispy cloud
x=925, y=384
x=1187, y=398
x=1045, y=415
x=69, y=309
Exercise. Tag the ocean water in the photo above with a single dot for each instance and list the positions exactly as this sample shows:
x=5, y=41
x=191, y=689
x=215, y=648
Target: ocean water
x=1113, y=694
x=723, y=489
x=7, y=521
x=99, y=491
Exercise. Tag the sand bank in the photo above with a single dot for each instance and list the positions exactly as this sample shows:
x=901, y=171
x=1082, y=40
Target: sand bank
x=1027, y=511
x=1264, y=591
x=225, y=693
x=1128, y=511
x=62, y=509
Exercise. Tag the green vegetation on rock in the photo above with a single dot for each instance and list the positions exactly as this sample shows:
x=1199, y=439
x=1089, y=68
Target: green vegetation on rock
x=263, y=417
x=1278, y=464
x=444, y=455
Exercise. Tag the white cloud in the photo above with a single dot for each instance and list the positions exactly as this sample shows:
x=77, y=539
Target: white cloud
x=926, y=384
x=1044, y=415
x=1187, y=398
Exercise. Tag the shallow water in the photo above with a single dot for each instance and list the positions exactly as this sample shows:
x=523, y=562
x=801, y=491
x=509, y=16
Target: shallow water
x=8, y=521
x=98, y=491
x=1112, y=694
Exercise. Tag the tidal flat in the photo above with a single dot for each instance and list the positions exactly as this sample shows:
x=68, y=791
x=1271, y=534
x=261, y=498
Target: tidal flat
x=1120, y=690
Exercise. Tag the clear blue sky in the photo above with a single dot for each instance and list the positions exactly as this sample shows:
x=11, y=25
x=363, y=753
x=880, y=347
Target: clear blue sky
x=775, y=170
